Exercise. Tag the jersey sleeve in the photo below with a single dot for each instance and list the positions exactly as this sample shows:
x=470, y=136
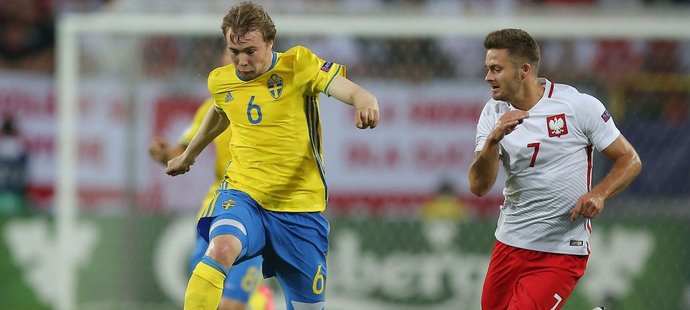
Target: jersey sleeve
x=317, y=73
x=596, y=122
x=486, y=123
x=194, y=126
x=213, y=84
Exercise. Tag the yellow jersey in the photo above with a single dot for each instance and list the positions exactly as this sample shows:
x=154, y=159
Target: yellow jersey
x=276, y=142
x=222, y=144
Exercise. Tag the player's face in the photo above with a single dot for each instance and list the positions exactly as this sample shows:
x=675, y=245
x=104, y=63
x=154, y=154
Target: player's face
x=251, y=55
x=502, y=75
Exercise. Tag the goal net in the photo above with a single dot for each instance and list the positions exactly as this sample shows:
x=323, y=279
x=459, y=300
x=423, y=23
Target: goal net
x=405, y=231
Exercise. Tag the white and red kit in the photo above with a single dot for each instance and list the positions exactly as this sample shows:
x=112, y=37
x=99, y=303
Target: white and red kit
x=548, y=164
x=540, y=254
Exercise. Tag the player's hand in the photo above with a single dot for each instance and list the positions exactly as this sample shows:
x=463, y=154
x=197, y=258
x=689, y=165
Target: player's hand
x=507, y=123
x=159, y=149
x=179, y=165
x=367, y=116
x=588, y=205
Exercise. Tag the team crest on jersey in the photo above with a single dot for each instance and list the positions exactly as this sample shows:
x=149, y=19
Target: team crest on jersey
x=556, y=125
x=228, y=204
x=228, y=97
x=275, y=86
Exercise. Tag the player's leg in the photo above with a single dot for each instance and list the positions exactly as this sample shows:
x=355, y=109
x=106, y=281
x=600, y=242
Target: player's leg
x=547, y=281
x=501, y=277
x=242, y=281
x=296, y=255
x=233, y=219
x=200, y=247
x=206, y=283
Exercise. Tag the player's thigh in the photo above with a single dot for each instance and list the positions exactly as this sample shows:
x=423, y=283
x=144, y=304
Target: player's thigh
x=549, y=287
x=243, y=279
x=505, y=267
x=235, y=213
x=297, y=257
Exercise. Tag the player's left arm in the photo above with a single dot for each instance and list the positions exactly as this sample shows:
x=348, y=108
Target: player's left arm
x=626, y=166
x=365, y=103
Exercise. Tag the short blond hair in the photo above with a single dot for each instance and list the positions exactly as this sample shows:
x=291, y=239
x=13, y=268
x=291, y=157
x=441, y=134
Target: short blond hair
x=246, y=17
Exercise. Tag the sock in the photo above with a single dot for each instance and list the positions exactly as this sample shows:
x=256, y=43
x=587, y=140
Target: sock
x=205, y=286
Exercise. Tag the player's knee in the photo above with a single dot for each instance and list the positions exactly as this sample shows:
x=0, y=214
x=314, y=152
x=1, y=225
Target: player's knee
x=224, y=249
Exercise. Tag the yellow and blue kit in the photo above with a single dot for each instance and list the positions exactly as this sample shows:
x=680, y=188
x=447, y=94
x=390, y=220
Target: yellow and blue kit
x=243, y=279
x=275, y=187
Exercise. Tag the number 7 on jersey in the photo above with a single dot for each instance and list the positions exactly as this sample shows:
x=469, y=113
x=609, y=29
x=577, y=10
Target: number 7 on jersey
x=535, y=145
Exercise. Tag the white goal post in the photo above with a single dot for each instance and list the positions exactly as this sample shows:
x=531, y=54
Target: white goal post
x=71, y=26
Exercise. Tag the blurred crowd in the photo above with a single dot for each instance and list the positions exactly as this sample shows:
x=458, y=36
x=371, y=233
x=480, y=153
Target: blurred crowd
x=605, y=67
x=641, y=80
x=27, y=41
x=27, y=31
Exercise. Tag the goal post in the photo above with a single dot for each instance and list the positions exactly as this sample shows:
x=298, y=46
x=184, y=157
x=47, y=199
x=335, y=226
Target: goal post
x=73, y=26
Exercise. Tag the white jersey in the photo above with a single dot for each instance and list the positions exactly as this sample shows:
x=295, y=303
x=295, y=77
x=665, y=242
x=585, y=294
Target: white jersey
x=548, y=163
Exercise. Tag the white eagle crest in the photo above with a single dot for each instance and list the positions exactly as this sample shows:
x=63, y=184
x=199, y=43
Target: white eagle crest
x=556, y=125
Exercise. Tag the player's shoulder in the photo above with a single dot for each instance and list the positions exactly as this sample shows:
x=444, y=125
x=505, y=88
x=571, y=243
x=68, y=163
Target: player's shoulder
x=495, y=107
x=224, y=75
x=566, y=91
x=219, y=71
x=299, y=56
x=298, y=50
x=571, y=95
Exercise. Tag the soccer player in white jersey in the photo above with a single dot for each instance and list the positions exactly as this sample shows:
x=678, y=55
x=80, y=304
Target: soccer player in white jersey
x=543, y=134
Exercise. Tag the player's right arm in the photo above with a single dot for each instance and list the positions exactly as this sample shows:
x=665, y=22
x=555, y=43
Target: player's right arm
x=161, y=151
x=484, y=168
x=214, y=123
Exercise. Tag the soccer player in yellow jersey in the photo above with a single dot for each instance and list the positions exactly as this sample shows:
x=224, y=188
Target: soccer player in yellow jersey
x=272, y=201
x=241, y=285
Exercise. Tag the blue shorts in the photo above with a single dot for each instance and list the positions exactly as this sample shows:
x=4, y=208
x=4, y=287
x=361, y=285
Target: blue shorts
x=293, y=245
x=242, y=280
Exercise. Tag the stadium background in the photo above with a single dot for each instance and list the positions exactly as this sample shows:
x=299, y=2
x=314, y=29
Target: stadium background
x=398, y=240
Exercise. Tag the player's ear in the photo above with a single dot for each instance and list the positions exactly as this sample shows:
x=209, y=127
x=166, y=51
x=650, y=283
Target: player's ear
x=525, y=69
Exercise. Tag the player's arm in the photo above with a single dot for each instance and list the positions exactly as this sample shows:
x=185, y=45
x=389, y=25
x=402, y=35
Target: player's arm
x=484, y=168
x=214, y=123
x=626, y=166
x=161, y=150
x=365, y=103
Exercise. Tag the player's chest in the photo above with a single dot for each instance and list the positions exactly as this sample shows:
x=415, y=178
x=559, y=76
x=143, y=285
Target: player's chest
x=266, y=101
x=543, y=137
